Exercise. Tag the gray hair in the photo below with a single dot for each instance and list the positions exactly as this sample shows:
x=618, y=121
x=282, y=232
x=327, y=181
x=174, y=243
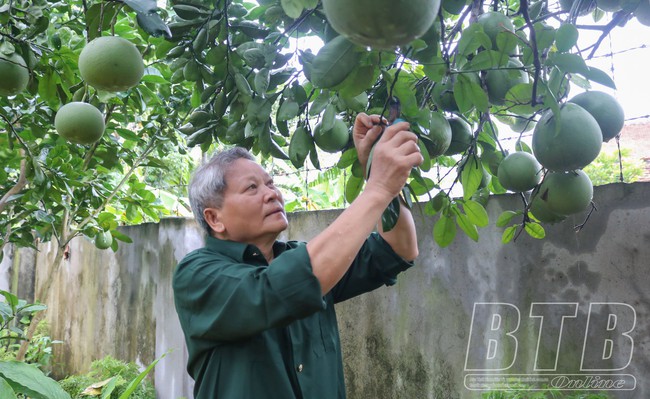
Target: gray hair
x=208, y=183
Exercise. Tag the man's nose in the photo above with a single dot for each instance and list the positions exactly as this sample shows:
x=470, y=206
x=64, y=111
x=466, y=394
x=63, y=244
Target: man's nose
x=272, y=194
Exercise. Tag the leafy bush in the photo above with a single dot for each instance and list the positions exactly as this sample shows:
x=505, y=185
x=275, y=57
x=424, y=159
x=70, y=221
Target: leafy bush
x=97, y=379
x=544, y=394
x=606, y=168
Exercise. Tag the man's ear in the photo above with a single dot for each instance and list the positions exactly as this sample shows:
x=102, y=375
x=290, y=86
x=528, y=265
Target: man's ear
x=213, y=217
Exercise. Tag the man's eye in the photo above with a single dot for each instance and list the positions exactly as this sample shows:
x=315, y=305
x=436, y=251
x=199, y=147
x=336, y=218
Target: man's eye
x=252, y=187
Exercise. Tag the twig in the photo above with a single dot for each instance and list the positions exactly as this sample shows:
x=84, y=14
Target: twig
x=580, y=226
x=523, y=9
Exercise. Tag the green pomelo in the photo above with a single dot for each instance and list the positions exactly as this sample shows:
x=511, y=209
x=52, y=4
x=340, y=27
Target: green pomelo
x=461, y=136
x=540, y=211
x=522, y=125
x=79, y=123
x=381, y=24
x=333, y=140
x=519, y=172
x=605, y=109
x=609, y=5
x=103, y=240
x=585, y=6
x=439, y=135
x=454, y=7
x=14, y=75
x=642, y=13
x=443, y=95
x=571, y=143
x=494, y=22
x=566, y=193
x=111, y=63
x=499, y=81
x=491, y=159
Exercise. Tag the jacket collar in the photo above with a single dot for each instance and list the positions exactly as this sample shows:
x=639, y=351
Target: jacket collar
x=240, y=251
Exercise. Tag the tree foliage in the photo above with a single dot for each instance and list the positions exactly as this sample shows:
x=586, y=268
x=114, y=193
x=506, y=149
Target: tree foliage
x=229, y=72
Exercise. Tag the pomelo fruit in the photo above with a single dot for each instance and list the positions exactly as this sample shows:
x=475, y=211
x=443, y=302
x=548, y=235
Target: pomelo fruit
x=494, y=22
x=79, y=123
x=540, y=211
x=438, y=134
x=499, y=81
x=103, y=240
x=334, y=139
x=519, y=172
x=461, y=136
x=566, y=193
x=571, y=143
x=381, y=24
x=14, y=75
x=642, y=12
x=605, y=109
x=111, y=63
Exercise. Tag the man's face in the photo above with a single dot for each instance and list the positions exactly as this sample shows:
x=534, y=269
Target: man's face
x=253, y=208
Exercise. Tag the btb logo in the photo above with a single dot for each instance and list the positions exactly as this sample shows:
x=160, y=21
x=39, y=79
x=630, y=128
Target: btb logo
x=605, y=345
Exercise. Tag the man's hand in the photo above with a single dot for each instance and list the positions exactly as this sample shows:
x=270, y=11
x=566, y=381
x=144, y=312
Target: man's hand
x=395, y=154
x=365, y=132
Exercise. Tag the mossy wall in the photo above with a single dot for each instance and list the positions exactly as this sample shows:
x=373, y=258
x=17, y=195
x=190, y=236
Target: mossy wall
x=407, y=341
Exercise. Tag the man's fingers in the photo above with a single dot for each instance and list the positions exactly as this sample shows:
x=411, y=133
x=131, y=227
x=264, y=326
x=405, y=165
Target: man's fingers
x=393, y=129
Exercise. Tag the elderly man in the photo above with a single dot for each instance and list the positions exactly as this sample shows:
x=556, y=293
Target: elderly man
x=258, y=314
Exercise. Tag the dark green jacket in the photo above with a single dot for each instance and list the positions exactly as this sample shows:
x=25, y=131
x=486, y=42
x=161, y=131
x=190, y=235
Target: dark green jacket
x=256, y=331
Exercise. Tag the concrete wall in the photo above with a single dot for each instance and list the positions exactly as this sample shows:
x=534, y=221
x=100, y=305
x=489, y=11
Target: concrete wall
x=411, y=340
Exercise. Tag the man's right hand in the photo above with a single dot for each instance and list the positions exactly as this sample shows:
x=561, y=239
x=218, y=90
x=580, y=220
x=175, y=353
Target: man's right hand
x=394, y=155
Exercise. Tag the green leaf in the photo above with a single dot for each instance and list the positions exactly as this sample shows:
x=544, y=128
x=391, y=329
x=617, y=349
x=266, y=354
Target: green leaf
x=261, y=81
x=108, y=389
x=471, y=176
x=329, y=116
x=353, y=188
x=506, y=42
x=509, y=234
x=242, y=85
x=535, y=230
x=320, y=103
x=153, y=25
x=566, y=37
x=436, y=69
x=31, y=381
x=121, y=236
x=599, y=76
x=133, y=385
x=468, y=94
x=358, y=81
x=348, y=158
x=293, y=8
x=334, y=62
x=488, y=59
x=504, y=219
x=288, y=110
x=6, y=391
x=390, y=215
x=299, y=147
x=476, y=213
x=142, y=6
x=568, y=63
x=472, y=38
x=444, y=231
x=468, y=227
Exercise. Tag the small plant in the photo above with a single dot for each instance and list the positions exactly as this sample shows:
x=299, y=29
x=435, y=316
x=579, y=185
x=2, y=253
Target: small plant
x=523, y=393
x=110, y=378
x=21, y=378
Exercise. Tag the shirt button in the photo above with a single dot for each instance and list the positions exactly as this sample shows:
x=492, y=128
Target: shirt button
x=299, y=368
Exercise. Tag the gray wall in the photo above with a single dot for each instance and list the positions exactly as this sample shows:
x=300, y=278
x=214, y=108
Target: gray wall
x=410, y=340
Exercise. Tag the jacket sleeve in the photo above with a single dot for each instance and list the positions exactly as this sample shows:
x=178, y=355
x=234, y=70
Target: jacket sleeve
x=225, y=301
x=375, y=265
